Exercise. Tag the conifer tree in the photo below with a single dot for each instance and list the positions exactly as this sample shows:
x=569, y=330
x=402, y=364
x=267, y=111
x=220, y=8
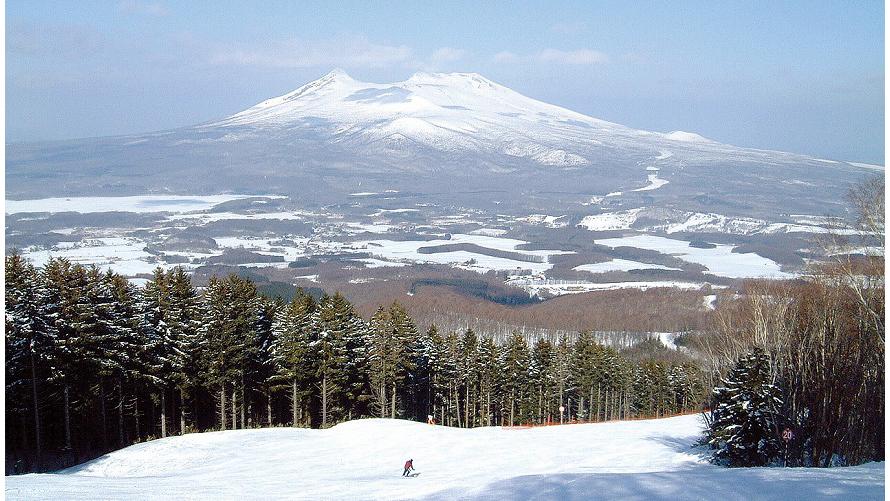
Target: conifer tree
x=293, y=331
x=219, y=338
x=468, y=372
x=745, y=423
x=183, y=321
x=25, y=345
x=562, y=375
x=515, y=364
x=125, y=325
x=541, y=376
x=449, y=370
x=357, y=385
x=407, y=348
x=489, y=359
x=587, y=372
x=58, y=300
x=434, y=347
x=333, y=317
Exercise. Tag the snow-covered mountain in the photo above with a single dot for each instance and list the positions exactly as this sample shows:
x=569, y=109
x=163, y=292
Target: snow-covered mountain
x=467, y=113
x=456, y=112
x=435, y=133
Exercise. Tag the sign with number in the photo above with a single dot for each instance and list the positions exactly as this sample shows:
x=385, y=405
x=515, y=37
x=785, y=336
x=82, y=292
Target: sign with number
x=787, y=435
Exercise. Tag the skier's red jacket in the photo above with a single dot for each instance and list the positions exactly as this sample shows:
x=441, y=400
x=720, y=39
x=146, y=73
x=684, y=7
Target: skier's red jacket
x=409, y=464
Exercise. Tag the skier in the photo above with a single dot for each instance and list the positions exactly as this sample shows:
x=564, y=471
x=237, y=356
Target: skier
x=409, y=465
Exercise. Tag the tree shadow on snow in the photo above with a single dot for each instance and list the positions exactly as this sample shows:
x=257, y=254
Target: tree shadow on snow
x=704, y=482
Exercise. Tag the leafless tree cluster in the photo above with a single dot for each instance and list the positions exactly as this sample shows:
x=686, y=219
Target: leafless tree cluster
x=825, y=340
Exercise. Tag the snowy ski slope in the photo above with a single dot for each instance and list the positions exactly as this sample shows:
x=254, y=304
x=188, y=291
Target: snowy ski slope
x=651, y=459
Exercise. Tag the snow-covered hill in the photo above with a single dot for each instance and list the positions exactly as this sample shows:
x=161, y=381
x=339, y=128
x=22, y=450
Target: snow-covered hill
x=651, y=459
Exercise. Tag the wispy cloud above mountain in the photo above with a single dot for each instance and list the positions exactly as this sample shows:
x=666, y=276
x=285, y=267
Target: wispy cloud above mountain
x=349, y=51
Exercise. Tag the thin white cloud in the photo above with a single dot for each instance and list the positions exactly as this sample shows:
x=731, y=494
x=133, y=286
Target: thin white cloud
x=142, y=8
x=555, y=56
x=295, y=53
x=447, y=55
x=505, y=57
x=581, y=56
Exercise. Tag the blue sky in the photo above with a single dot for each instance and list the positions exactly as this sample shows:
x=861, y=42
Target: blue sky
x=805, y=77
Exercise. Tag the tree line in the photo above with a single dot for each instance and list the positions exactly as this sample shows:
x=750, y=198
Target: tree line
x=94, y=363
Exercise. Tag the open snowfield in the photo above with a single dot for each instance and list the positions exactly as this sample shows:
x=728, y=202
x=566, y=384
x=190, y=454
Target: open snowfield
x=409, y=251
x=141, y=203
x=651, y=459
x=122, y=254
x=720, y=260
x=620, y=265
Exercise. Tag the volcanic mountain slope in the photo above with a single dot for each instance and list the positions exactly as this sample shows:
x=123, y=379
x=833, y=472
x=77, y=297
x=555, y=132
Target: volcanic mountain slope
x=434, y=133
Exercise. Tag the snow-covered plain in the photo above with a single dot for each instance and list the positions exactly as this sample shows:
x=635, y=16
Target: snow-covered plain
x=698, y=222
x=720, y=260
x=141, y=203
x=409, y=251
x=621, y=265
x=124, y=255
x=544, y=220
x=647, y=459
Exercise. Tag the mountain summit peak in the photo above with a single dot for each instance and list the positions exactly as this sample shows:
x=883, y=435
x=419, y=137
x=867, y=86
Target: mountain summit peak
x=336, y=74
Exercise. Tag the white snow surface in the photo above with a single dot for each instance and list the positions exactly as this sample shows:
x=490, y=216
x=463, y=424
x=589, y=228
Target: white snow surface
x=459, y=113
x=621, y=265
x=123, y=255
x=647, y=459
x=720, y=261
x=668, y=339
x=655, y=182
x=448, y=112
x=867, y=166
x=140, y=203
x=686, y=137
x=611, y=220
x=710, y=301
x=544, y=220
x=698, y=222
x=409, y=251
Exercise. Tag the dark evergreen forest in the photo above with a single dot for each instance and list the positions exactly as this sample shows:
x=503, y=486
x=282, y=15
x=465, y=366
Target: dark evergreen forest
x=94, y=363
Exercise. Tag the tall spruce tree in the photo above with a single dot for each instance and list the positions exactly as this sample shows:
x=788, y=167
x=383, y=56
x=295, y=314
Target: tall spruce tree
x=26, y=343
x=489, y=375
x=333, y=318
x=516, y=379
x=293, y=331
x=745, y=423
x=183, y=320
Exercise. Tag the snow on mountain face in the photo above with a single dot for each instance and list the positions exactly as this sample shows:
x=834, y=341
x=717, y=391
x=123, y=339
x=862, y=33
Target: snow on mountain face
x=466, y=112
x=447, y=112
x=436, y=133
x=453, y=112
x=689, y=137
